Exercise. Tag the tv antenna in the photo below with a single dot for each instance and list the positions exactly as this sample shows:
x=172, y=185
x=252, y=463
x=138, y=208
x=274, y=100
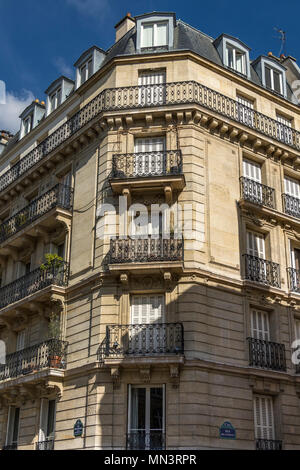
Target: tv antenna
x=282, y=37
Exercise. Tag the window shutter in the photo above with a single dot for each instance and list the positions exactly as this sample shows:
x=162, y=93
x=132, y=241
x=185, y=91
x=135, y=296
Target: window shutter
x=147, y=309
x=264, y=418
x=252, y=170
x=291, y=187
x=21, y=340
x=255, y=244
x=260, y=328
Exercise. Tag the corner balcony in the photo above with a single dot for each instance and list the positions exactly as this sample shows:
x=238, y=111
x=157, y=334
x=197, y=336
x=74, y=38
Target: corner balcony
x=257, y=193
x=146, y=254
x=268, y=444
x=262, y=271
x=291, y=205
x=38, y=285
x=48, y=444
x=266, y=354
x=147, y=170
x=43, y=213
x=160, y=343
x=33, y=366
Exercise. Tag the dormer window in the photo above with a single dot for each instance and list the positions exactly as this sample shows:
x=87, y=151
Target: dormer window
x=236, y=59
x=234, y=54
x=28, y=124
x=155, y=31
x=154, y=34
x=86, y=71
x=273, y=79
x=55, y=100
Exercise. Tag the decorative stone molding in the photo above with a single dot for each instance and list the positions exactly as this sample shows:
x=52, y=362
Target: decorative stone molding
x=145, y=374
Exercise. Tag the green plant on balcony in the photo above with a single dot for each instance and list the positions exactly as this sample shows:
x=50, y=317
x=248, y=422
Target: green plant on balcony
x=21, y=219
x=52, y=264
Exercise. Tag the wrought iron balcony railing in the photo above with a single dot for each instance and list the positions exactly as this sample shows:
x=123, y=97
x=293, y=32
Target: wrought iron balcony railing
x=268, y=444
x=145, y=164
x=258, y=193
x=143, y=340
x=48, y=444
x=59, y=196
x=294, y=279
x=51, y=353
x=10, y=447
x=266, y=354
x=291, y=205
x=174, y=93
x=142, y=440
x=142, y=250
x=33, y=282
x=262, y=271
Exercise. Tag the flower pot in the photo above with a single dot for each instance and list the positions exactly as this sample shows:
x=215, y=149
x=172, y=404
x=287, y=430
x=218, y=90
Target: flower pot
x=55, y=362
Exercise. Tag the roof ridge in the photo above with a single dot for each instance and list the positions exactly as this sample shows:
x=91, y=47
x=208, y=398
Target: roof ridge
x=195, y=29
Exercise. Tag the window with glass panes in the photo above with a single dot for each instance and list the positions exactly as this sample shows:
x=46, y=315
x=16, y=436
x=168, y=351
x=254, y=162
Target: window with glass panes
x=236, y=59
x=264, y=417
x=154, y=34
x=274, y=79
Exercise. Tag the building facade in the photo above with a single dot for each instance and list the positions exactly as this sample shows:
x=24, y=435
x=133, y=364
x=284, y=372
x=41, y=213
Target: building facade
x=149, y=341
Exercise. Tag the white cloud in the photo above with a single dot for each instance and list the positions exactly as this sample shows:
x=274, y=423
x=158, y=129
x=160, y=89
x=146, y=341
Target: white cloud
x=90, y=7
x=11, y=110
x=63, y=67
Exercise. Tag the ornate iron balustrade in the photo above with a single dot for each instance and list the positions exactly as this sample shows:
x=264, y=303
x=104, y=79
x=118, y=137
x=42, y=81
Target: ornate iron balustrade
x=144, y=96
x=261, y=270
x=266, y=354
x=294, y=279
x=258, y=193
x=10, y=447
x=48, y=444
x=268, y=444
x=59, y=196
x=51, y=353
x=33, y=282
x=143, y=340
x=142, y=440
x=291, y=205
x=143, y=164
x=142, y=250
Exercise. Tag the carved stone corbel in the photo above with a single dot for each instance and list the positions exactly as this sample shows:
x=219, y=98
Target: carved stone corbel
x=174, y=375
x=124, y=279
x=145, y=373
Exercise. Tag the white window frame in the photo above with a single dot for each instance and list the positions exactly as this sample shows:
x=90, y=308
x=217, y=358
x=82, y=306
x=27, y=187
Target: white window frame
x=154, y=33
x=87, y=67
x=27, y=124
x=260, y=324
x=264, y=425
x=257, y=240
x=55, y=99
x=272, y=70
x=235, y=50
x=147, y=411
x=44, y=420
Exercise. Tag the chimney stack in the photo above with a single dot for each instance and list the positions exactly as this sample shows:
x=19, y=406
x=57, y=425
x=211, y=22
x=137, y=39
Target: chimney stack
x=124, y=25
x=5, y=136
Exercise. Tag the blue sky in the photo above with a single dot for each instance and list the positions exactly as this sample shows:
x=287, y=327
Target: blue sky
x=41, y=39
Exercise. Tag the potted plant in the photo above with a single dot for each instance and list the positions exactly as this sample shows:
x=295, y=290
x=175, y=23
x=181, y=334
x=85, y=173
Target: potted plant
x=55, y=353
x=52, y=265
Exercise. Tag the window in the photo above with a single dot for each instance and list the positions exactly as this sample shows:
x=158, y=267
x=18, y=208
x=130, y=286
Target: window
x=21, y=340
x=294, y=273
x=86, y=71
x=154, y=34
x=236, y=59
x=27, y=124
x=255, y=245
x=55, y=99
x=260, y=328
x=147, y=309
x=149, y=159
x=292, y=187
x=291, y=197
x=264, y=417
x=284, y=129
x=245, y=110
x=47, y=423
x=252, y=171
x=13, y=426
x=152, y=88
x=274, y=79
x=146, y=418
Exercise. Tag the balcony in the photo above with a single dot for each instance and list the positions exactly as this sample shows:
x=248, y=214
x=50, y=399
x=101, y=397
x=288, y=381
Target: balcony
x=291, y=205
x=152, y=170
x=257, y=193
x=48, y=444
x=139, y=254
x=137, y=97
x=10, y=447
x=293, y=279
x=266, y=354
x=59, y=196
x=143, y=340
x=142, y=440
x=48, y=354
x=33, y=283
x=262, y=271
x=268, y=444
